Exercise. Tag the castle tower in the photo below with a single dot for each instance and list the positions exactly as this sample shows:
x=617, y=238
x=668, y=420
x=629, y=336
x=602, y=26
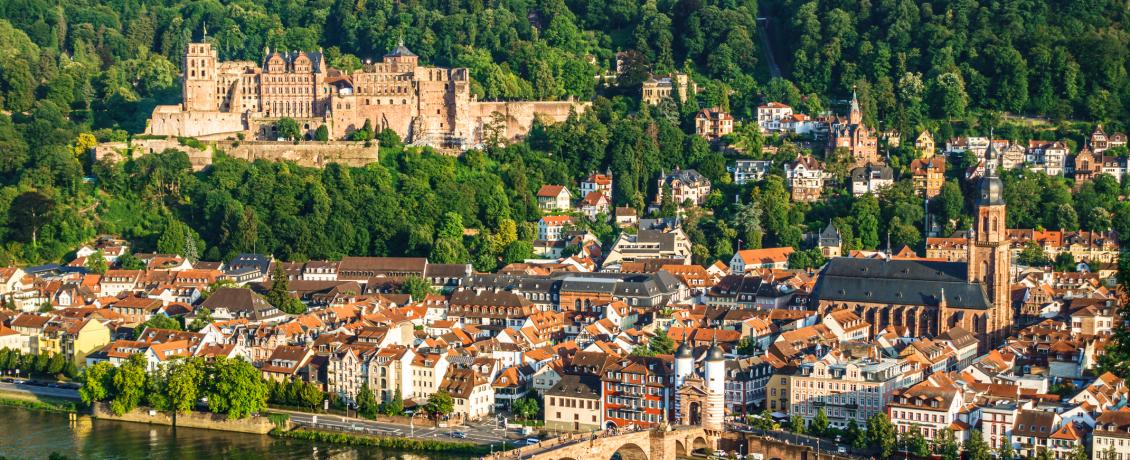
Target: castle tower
x=200, y=78
x=989, y=254
x=402, y=59
x=713, y=414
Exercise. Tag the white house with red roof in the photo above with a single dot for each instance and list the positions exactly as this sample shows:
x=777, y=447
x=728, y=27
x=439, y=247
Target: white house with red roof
x=595, y=204
x=552, y=228
x=770, y=115
x=597, y=182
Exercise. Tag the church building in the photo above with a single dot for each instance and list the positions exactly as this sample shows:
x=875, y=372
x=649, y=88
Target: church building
x=931, y=297
x=855, y=136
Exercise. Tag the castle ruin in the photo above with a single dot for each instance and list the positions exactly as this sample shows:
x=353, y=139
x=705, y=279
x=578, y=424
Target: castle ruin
x=426, y=106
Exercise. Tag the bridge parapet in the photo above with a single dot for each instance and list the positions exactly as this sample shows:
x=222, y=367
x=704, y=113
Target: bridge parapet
x=656, y=444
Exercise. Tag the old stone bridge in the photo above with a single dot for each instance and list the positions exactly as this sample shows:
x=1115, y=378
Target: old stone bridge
x=655, y=444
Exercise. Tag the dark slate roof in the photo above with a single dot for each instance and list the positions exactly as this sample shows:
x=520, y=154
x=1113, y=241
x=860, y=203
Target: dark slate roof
x=290, y=56
x=659, y=224
x=576, y=386
x=243, y=303
x=400, y=50
x=830, y=232
x=899, y=282
x=685, y=176
x=245, y=260
x=447, y=270
x=665, y=240
x=863, y=173
x=488, y=298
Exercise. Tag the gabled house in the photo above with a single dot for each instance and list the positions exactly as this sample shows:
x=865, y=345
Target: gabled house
x=805, y=177
x=686, y=186
x=231, y=303
x=554, y=198
x=871, y=178
x=748, y=260
x=929, y=175
x=597, y=182
x=595, y=204
x=713, y=123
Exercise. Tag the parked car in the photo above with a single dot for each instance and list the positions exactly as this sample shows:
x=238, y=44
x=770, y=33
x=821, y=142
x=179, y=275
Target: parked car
x=841, y=450
x=458, y=434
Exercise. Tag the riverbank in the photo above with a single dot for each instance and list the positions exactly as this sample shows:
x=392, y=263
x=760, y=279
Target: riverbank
x=36, y=434
x=41, y=404
x=387, y=442
x=273, y=425
x=202, y=420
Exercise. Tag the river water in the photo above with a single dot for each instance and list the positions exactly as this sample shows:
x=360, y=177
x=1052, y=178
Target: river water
x=26, y=434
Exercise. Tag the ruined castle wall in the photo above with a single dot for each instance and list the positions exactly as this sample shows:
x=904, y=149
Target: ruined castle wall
x=311, y=154
x=170, y=120
x=110, y=151
x=199, y=158
x=350, y=113
x=520, y=115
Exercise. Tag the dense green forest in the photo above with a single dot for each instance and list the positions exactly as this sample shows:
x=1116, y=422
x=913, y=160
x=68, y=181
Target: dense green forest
x=77, y=72
x=912, y=60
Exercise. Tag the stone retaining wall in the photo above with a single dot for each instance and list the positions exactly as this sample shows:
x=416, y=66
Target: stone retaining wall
x=204, y=420
x=309, y=153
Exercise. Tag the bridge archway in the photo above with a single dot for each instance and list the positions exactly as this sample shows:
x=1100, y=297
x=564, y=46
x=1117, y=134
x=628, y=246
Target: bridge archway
x=696, y=413
x=681, y=449
x=629, y=451
x=699, y=447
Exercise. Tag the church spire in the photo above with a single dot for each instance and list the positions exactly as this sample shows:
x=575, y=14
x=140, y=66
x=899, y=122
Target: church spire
x=205, y=32
x=991, y=155
x=855, y=116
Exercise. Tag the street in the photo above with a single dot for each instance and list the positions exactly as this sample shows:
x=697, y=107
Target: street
x=483, y=432
x=35, y=390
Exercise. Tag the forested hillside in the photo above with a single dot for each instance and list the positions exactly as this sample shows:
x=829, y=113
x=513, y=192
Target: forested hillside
x=77, y=72
x=914, y=60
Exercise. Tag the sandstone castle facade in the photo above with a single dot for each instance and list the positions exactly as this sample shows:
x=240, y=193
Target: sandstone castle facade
x=430, y=106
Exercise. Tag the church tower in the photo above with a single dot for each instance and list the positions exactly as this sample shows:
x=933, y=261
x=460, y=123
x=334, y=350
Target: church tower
x=200, y=78
x=855, y=116
x=989, y=254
